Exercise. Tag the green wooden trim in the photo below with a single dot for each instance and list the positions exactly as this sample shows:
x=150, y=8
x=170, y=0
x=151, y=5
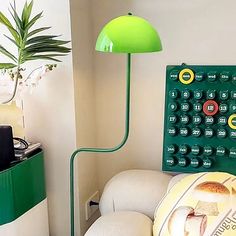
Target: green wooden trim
x=21, y=188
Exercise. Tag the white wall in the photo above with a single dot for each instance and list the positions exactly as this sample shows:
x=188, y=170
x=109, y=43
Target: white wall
x=50, y=116
x=197, y=32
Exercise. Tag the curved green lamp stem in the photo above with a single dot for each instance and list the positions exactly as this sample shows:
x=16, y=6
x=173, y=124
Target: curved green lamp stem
x=96, y=150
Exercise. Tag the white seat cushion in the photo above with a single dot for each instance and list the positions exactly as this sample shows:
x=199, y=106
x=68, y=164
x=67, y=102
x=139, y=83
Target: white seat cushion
x=123, y=223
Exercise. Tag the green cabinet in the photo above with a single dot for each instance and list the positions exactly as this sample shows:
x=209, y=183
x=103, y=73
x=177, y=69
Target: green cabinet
x=21, y=188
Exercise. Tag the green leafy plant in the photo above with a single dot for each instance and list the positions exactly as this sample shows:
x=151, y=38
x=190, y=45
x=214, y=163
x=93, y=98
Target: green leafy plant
x=31, y=44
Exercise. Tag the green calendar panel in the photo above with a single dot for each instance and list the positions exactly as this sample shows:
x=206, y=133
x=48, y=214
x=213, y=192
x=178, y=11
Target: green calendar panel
x=200, y=119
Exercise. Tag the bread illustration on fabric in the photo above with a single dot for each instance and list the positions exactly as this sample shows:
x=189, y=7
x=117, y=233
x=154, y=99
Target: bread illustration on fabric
x=209, y=194
x=187, y=221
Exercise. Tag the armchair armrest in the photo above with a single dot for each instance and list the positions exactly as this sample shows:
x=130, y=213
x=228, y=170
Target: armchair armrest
x=134, y=190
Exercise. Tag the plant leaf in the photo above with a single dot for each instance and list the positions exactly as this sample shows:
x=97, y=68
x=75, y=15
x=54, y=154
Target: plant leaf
x=7, y=53
x=23, y=15
x=42, y=57
x=49, y=43
x=12, y=40
x=26, y=13
x=7, y=66
x=41, y=38
x=8, y=24
x=19, y=23
x=33, y=21
x=37, y=31
x=5, y=21
x=50, y=56
x=36, y=49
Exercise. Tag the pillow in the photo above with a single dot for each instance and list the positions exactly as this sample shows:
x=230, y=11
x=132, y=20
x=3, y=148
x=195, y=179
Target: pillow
x=121, y=223
x=202, y=204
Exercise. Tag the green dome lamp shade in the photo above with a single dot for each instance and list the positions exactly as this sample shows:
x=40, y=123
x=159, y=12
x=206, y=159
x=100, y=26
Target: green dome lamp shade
x=128, y=34
x=125, y=34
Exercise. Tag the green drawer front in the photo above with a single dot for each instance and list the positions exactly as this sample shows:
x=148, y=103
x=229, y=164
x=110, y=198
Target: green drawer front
x=21, y=188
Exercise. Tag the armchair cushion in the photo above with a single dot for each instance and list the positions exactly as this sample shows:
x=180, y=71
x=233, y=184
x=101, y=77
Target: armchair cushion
x=121, y=224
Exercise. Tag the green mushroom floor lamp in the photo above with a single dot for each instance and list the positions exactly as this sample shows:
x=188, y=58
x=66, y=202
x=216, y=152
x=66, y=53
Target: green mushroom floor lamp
x=125, y=34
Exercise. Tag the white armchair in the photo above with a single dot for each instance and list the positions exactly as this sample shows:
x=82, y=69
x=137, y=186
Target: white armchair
x=128, y=203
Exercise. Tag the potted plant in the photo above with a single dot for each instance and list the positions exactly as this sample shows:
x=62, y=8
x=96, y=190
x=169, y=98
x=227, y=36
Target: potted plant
x=32, y=44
